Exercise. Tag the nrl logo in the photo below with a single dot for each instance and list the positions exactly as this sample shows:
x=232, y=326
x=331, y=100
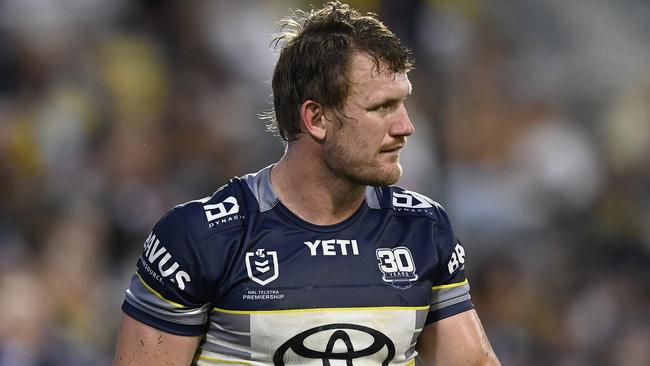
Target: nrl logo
x=262, y=267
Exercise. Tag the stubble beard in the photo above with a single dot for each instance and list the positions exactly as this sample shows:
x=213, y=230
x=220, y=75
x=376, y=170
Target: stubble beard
x=349, y=167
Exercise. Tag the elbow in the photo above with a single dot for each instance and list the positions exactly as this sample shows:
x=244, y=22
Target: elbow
x=486, y=357
x=482, y=355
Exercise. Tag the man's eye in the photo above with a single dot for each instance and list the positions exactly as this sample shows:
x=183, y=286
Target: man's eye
x=380, y=108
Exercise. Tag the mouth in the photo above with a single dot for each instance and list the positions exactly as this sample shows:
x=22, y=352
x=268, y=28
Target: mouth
x=393, y=148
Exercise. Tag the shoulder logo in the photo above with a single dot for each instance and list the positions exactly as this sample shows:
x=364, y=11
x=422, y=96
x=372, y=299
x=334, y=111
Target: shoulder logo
x=262, y=266
x=397, y=266
x=410, y=199
x=222, y=212
x=214, y=212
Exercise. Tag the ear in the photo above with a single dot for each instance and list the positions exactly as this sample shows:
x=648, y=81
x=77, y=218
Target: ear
x=312, y=119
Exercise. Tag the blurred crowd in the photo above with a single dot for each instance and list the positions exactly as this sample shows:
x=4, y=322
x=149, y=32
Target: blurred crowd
x=532, y=129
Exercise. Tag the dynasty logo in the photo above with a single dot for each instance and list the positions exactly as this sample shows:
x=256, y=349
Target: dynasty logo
x=222, y=212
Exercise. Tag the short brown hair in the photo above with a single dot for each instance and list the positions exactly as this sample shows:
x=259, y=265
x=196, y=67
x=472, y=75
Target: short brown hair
x=316, y=48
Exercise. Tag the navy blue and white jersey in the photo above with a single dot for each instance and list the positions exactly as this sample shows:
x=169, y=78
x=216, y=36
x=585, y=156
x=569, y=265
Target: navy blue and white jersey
x=264, y=287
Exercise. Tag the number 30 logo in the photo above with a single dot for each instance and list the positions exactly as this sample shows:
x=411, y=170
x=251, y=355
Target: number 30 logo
x=393, y=260
x=397, y=266
x=457, y=258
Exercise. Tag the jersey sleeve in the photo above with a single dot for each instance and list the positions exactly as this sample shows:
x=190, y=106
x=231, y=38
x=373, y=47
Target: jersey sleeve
x=169, y=290
x=450, y=290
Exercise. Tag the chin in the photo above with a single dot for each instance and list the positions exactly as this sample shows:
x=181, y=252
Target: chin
x=365, y=172
x=383, y=176
x=393, y=178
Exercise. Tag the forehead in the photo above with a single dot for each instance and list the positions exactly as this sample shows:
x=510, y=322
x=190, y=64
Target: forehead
x=369, y=84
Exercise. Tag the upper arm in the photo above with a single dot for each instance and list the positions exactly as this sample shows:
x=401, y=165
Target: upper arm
x=170, y=290
x=167, y=304
x=140, y=344
x=453, y=334
x=456, y=340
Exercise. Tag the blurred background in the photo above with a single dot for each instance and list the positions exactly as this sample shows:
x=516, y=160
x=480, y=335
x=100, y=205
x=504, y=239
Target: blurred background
x=532, y=129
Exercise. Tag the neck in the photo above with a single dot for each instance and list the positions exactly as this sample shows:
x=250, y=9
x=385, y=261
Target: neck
x=310, y=190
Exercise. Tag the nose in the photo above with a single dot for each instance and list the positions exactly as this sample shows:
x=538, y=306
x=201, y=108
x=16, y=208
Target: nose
x=402, y=125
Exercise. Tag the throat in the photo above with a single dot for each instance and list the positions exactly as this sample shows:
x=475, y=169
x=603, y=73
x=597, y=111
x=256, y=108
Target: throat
x=324, y=212
x=316, y=199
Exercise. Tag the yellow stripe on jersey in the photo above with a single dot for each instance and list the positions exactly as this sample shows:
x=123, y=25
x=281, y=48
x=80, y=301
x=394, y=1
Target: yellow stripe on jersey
x=426, y=307
x=451, y=285
x=411, y=363
x=218, y=360
x=175, y=304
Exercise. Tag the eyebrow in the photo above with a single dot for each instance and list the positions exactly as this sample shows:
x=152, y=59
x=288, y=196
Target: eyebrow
x=384, y=101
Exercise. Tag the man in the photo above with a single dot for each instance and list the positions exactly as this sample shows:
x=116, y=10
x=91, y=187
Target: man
x=315, y=260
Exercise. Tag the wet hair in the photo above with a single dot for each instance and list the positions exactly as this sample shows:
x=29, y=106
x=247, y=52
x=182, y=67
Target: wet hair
x=316, y=49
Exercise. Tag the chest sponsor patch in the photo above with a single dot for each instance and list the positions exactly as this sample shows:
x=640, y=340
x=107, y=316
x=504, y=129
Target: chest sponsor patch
x=337, y=342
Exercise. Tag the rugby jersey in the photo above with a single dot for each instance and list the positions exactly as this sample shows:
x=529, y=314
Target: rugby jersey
x=265, y=287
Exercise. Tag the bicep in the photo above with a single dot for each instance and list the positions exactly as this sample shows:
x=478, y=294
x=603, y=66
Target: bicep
x=456, y=340
x=140, y=344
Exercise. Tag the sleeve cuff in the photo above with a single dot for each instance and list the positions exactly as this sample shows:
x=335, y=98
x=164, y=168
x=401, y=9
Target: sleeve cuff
x=448, y=311
x=165, y=326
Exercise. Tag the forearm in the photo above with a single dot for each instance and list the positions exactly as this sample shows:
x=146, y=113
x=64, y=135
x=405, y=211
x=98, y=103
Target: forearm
x=458, y=340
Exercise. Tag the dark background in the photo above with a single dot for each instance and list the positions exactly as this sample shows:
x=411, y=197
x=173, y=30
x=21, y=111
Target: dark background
x=532, y=129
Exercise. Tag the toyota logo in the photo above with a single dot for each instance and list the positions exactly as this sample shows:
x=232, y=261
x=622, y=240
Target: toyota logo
x=297, y=345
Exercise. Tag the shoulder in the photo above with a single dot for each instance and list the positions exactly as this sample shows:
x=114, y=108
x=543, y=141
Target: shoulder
x=227, y=208
x=404, y=202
